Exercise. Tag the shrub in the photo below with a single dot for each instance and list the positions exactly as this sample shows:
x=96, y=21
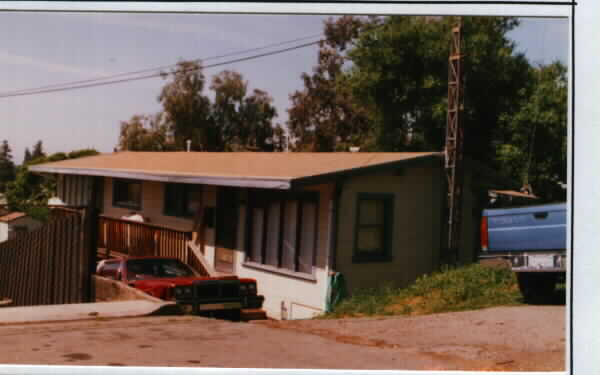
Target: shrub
x=451, y=289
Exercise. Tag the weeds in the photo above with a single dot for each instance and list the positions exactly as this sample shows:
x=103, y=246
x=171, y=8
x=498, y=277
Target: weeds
x=452, y=289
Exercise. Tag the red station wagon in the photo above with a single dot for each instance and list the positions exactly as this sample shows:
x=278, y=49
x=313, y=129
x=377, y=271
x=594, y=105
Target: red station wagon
x=171, y=279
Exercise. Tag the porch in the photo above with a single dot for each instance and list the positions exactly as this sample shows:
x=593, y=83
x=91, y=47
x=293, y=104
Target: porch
x=122, y=237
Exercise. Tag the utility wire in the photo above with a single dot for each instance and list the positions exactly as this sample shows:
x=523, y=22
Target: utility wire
x=158, y=71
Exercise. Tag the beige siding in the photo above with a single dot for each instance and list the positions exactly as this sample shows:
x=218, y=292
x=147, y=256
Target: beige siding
x=209, y=199
x=286, y=296
x=152, y=205
x=3, y=232
x=416, y=227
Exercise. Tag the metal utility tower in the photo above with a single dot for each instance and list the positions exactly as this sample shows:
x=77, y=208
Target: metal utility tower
x=454, y=144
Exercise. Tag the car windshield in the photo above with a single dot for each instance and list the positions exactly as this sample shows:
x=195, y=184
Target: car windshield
x=141, y=269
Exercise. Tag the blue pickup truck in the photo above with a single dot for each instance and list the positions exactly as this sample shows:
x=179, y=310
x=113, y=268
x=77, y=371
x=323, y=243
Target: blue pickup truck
x=533, y=239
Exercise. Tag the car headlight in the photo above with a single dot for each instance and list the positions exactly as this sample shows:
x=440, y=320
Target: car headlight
x=243, y=289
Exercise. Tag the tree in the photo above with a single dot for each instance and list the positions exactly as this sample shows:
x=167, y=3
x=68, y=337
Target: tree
x=38, y=150
x=144, y=133
x=534, y=149
x=84, y=152
x=400, y=71
x=7, y=166
x=257, y=132
x=235, y=121
x=30, y=192
x=27, y=156
x=187, y=110
x=244, y=121
x=325, y=116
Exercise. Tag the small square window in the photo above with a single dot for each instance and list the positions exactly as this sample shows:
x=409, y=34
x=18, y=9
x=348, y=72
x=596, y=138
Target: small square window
x=373, y=230
x=127, y=194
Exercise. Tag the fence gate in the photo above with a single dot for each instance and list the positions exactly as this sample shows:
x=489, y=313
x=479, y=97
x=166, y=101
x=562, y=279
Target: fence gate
x=51, y=265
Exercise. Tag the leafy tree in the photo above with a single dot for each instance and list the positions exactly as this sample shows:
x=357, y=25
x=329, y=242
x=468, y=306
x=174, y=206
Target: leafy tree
x=534, y=150
x=82, y=153
x=38, y=150
x=392, y=75
x=236, y=120
x=325, y=116
x=187, y=110
x=244, y=121
x=7, y=166
x=400, y=70
x=30, y=192
x=143, y=133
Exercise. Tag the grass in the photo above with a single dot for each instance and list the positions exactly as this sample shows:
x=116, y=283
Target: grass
x=452, y=289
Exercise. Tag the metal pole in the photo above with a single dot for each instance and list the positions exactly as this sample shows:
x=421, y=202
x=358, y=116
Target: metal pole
x=454, y=145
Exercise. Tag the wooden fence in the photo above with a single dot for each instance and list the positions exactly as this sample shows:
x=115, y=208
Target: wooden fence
x=51, y=265
x=119, y=237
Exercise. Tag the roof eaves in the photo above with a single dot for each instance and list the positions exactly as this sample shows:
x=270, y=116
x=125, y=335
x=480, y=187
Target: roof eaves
x=326, y=177
x=257, y=182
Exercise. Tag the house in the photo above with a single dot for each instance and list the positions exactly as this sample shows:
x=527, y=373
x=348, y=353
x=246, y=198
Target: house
x=13, y=223
x=289, y=220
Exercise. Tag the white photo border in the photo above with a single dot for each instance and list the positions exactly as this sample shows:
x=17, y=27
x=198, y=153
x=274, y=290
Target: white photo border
x=583, y=300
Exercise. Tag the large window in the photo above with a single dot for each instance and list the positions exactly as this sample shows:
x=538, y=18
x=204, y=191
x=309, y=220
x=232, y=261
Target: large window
x=127, y=194
x=182, y=200
x=373, y=233
x=282, y=230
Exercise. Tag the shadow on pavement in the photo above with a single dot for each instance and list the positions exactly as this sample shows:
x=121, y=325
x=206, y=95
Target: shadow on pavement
x=558, y=298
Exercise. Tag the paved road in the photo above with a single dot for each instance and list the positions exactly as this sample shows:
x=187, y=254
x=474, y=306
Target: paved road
x=511, y=338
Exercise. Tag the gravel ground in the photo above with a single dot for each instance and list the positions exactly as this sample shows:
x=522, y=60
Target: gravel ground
x=509, y=338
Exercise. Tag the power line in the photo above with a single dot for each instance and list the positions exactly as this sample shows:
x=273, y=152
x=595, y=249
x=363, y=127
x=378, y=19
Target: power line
x=158, y=71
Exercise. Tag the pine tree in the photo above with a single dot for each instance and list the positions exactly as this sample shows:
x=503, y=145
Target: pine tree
x=27, y=155
x=38, y=150
x=7, y=167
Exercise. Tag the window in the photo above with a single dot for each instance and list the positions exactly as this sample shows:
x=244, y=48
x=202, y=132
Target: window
x=373, y=233
x=127, y=194
x=141, y=269
x=181, y=200
x=281, y=230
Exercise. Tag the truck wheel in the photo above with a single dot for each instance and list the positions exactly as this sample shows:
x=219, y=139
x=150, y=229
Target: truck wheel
x=536, y=287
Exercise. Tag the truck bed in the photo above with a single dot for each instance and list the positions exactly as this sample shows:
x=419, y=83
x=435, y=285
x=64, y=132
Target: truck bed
x=531, y=228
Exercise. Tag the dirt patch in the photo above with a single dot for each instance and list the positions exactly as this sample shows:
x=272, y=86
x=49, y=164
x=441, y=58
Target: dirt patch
x=110, y=290
x=509, y=338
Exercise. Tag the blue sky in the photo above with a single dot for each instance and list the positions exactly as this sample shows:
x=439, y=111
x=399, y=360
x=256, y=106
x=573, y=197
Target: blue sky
x=38, y=49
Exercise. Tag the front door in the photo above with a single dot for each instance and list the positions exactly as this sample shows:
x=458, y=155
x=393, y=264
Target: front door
x=226, y=231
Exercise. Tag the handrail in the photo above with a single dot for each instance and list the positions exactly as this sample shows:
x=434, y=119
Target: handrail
x=195, y=251
x=151, y=225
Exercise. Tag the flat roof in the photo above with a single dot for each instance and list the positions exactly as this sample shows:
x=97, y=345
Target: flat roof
x=278, y=170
